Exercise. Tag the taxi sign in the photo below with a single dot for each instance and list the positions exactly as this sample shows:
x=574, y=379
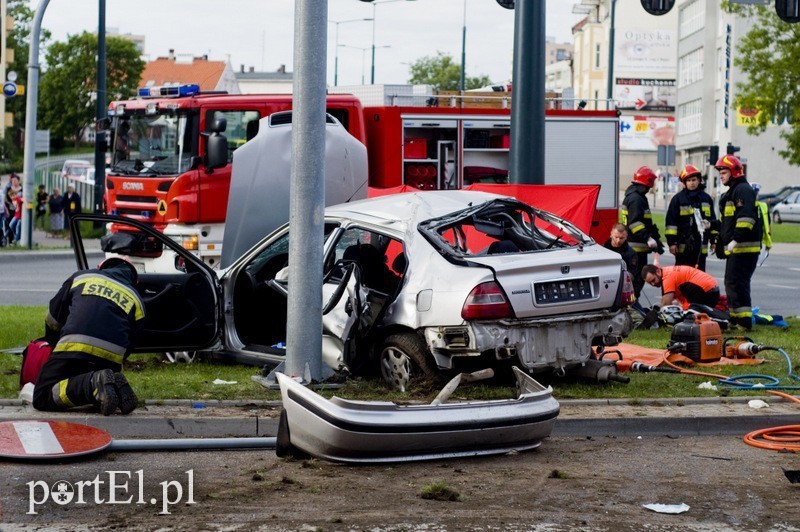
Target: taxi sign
x=162, y=207
x=43, y=439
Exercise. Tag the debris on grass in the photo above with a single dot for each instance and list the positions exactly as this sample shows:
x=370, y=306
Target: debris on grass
x=440, y=491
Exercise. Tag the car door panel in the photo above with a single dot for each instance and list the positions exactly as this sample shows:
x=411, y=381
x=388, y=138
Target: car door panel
x=181, y=306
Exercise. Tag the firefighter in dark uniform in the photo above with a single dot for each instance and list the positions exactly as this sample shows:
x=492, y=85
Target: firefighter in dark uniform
x=689, y=221
x=739, y=239
x=643, y=235
x=91, y=322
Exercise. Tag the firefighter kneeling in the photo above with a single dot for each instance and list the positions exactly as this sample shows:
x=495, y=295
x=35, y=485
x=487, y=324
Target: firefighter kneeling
x=91, y=322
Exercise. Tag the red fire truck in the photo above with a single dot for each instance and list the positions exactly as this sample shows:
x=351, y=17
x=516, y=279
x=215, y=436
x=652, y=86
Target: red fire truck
x=160, y=171
x=453, y=147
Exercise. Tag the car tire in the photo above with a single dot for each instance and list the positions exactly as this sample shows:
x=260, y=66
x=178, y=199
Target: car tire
x=181, y=357
x=403, y=358
x=776, y=218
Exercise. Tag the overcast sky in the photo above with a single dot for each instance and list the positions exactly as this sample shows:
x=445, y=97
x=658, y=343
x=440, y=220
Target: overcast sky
x=259, y=33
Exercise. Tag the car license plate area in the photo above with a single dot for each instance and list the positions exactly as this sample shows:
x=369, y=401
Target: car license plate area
x=563, y=291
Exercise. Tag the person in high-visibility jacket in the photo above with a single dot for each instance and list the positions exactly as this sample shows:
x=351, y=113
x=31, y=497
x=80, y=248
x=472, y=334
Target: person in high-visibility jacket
x=763, y=208
x=91, y=322
x=643, y=236
x=688, y=221
x=739, y=240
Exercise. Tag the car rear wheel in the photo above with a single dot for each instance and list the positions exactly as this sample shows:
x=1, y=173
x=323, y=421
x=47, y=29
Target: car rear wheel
x=776, y=217
x=404, y=357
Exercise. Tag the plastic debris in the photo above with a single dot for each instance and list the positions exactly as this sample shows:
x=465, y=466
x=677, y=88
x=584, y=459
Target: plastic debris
x=667, y=508
x=706, y=386
x=757, y=403
x=220, y=381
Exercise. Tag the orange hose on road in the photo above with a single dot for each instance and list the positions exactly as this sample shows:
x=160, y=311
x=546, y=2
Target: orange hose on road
x=785, y=438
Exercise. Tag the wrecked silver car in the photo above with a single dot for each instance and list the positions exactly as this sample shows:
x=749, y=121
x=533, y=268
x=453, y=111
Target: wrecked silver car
x=416, y=284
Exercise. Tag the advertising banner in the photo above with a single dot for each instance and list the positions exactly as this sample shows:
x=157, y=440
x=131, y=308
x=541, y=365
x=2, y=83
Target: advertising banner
x=645, y=133
x=644, y=94
x=645, y=50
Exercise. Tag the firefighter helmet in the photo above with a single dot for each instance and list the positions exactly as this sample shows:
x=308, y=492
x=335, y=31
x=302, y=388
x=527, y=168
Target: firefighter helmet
x=111, y=262
x=732, y=163
x=689, y=171
x=645, y=176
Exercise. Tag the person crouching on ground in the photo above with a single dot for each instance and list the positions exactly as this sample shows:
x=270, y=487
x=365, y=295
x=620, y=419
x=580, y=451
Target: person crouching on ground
x=685, y=284
x=91, y=323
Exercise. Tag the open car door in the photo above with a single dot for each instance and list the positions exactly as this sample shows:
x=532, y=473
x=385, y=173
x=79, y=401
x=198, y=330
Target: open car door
x=181, y=302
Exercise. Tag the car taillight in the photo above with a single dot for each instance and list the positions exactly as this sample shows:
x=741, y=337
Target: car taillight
x=486, y=302
x=626, y=295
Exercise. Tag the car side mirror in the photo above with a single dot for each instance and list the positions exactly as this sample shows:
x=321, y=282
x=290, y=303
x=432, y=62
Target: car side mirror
x=216, y=151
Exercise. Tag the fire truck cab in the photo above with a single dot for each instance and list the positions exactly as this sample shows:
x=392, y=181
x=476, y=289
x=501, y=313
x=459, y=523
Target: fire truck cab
x=162, y=172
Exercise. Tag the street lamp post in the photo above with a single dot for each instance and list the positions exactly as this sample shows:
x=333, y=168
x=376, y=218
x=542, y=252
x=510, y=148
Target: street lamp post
x=363, y=55
x=610, y=87
x=464, y=50
x=374, y=5
x=336, y=48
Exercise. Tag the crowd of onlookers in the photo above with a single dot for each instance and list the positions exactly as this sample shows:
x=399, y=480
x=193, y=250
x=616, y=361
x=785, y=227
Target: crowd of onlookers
x=59, y=206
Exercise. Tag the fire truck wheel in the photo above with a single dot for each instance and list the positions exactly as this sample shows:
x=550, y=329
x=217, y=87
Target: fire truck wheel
x=176, y=357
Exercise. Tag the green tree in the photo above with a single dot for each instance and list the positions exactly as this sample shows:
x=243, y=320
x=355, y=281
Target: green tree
x=443, y=74
x=769, y=54
x=19, y=42
x=68, y=87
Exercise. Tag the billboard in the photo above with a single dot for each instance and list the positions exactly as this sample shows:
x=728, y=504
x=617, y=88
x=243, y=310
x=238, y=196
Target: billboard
x=645, y=94
x=645, y=50
x=645, y=133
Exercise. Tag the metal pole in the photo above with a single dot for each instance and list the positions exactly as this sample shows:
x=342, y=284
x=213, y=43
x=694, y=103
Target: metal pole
x=29, y=164
x=527, y=95
x=610, y=89
x=307, y=193
x=336, y=58
x=372, y=76
x=99, y=140
x=464, y=50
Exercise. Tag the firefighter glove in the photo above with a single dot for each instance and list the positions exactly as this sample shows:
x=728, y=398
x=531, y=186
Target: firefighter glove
x=651, y=243
x=706, y=225
x=730, y=246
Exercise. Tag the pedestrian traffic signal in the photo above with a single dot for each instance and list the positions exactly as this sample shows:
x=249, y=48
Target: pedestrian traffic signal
x=658, y=7
x=788, y=10
x=732, y=149
x=713, y=155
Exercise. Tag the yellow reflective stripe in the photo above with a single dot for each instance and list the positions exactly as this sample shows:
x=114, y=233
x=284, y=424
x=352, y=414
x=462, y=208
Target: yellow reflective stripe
x=637, y=247
x=704, y=251
x=729, y=209
x=62, y=394
x=647, y=215
x=748, y=249
x=671, y=230
x=89, y=350
x=687, y=211
x=742, y=312
x=635, y=227
x=706, y=209
x=95, y=285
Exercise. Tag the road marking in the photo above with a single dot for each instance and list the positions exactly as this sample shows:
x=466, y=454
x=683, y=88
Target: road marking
x=783, y=286
x=794, y=269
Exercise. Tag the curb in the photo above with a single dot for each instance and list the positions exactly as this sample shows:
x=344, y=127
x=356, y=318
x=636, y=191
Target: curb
x=47, y=254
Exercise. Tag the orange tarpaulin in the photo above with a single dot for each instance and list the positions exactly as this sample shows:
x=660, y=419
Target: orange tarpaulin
x=655, y=357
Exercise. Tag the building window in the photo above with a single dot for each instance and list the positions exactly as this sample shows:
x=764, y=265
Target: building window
x=691, y=18
x=690, y=68
x=597, y=55
x=690, y=117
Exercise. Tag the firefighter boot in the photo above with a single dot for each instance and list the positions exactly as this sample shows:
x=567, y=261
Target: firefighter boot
x=127, y=398
x=105, y=394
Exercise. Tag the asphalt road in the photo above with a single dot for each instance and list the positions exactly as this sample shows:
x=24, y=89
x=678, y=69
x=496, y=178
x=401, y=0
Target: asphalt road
x=33, y=278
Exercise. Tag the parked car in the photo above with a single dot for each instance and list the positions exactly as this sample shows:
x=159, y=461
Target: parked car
x=415, y=284
x=787, y=210
x=78, y=170
x=773, y=198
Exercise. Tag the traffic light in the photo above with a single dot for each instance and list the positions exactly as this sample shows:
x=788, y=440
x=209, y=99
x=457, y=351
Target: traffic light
x=732, y=149
x=788, y=10
x=713, y=155
x=659, y=7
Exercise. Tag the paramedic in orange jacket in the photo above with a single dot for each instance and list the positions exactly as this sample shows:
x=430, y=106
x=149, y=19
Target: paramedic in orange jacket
x=685, y=284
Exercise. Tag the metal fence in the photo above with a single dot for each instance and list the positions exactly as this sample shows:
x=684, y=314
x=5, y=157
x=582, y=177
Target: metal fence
x=49, y=174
